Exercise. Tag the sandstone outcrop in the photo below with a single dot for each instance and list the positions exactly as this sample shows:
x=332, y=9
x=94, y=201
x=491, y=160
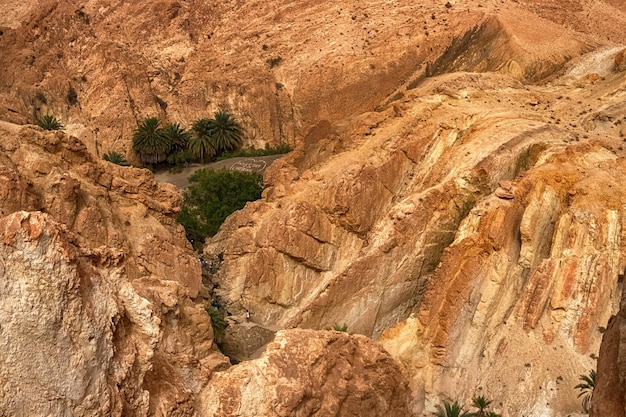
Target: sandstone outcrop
x=478, y=217
x=98, y=281
x=309, y=373
x=609, y=395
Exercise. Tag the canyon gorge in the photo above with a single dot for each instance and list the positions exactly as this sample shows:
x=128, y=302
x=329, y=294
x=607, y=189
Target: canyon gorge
x=453, y=197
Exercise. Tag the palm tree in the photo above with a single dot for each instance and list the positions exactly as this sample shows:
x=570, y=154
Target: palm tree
x=225, y=132
x=116, y=158
x=451, y=410
x=201, y=143
x=48, y=122
x=150, y=141
x=177, y=136
x=586, y=389
x=481, y=403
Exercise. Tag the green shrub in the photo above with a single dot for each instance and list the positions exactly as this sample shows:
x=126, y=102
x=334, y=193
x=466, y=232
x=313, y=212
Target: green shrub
x=48, y=122
x=341, y=327
x=218, y=323
x=451, y=410
x=482, y=403
x=116, y=158
x=212, y=196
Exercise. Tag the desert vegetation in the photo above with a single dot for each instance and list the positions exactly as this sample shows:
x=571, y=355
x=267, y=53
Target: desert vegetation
x=208, y=138
x=48, y=122
x=481, y=403
x=212, y=196
x=586, y=388
x=115, y=158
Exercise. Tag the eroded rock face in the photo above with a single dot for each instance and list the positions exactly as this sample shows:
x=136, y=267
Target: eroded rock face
x=479, y=218
x=97, y=286
x=283, y=69
x=58, y=312
x=311, y=373
x=609, y=395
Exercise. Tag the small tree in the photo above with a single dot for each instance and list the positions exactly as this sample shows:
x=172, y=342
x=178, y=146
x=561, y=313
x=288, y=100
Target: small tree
x=226, y=133
x=48, y=122
x=481, y=403
x=116, y=158
x=586, y=389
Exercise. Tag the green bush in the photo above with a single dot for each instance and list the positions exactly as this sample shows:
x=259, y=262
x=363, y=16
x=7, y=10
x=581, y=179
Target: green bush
x=251, y=152
x=341, y=327
x=116, y=158
x=586, y=389
x=212, y=196
x=218, y=323
x=48, y=122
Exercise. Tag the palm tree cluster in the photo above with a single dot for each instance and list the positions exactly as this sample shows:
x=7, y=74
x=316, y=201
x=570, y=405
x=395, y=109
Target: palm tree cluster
x=456, y=410
x=208, y=138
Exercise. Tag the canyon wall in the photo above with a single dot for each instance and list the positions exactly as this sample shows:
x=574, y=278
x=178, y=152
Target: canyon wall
x=97, y=285
x=474, y=225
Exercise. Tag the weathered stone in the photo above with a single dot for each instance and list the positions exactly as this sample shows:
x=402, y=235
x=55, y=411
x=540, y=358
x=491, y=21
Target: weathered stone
x=311, y=373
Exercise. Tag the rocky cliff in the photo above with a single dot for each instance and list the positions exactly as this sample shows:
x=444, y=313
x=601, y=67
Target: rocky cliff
x=97, y=285
x=454, y=192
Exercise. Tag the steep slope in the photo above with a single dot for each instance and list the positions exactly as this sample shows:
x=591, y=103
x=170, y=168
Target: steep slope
x=103, y=66
x=481, y=214
x=97, y=284
x=454, y=192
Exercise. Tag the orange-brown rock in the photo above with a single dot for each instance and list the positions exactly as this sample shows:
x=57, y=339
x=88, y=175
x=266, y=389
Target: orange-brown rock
x=97, y=282
x=102, y=66
x=311, y=373
x=386, y=217
x=609, y=394
x=400, y=226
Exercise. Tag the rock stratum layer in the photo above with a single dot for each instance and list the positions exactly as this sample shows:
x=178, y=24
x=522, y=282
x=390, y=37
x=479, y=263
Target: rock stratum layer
x=454, y=192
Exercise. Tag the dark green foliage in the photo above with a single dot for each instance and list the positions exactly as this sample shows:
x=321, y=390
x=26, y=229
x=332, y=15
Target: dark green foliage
x=177, y=136
x=214, y=195
x=451, y=410
x=48, y=122
x=116, y=158
x=218, y=323
x=251, y=152
x=179, y=141
x=225, y=132
x=586, y=389
x=72, y=96
x=482, y=403
x=151, y=142
x=340, y=328
x=201, y=144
